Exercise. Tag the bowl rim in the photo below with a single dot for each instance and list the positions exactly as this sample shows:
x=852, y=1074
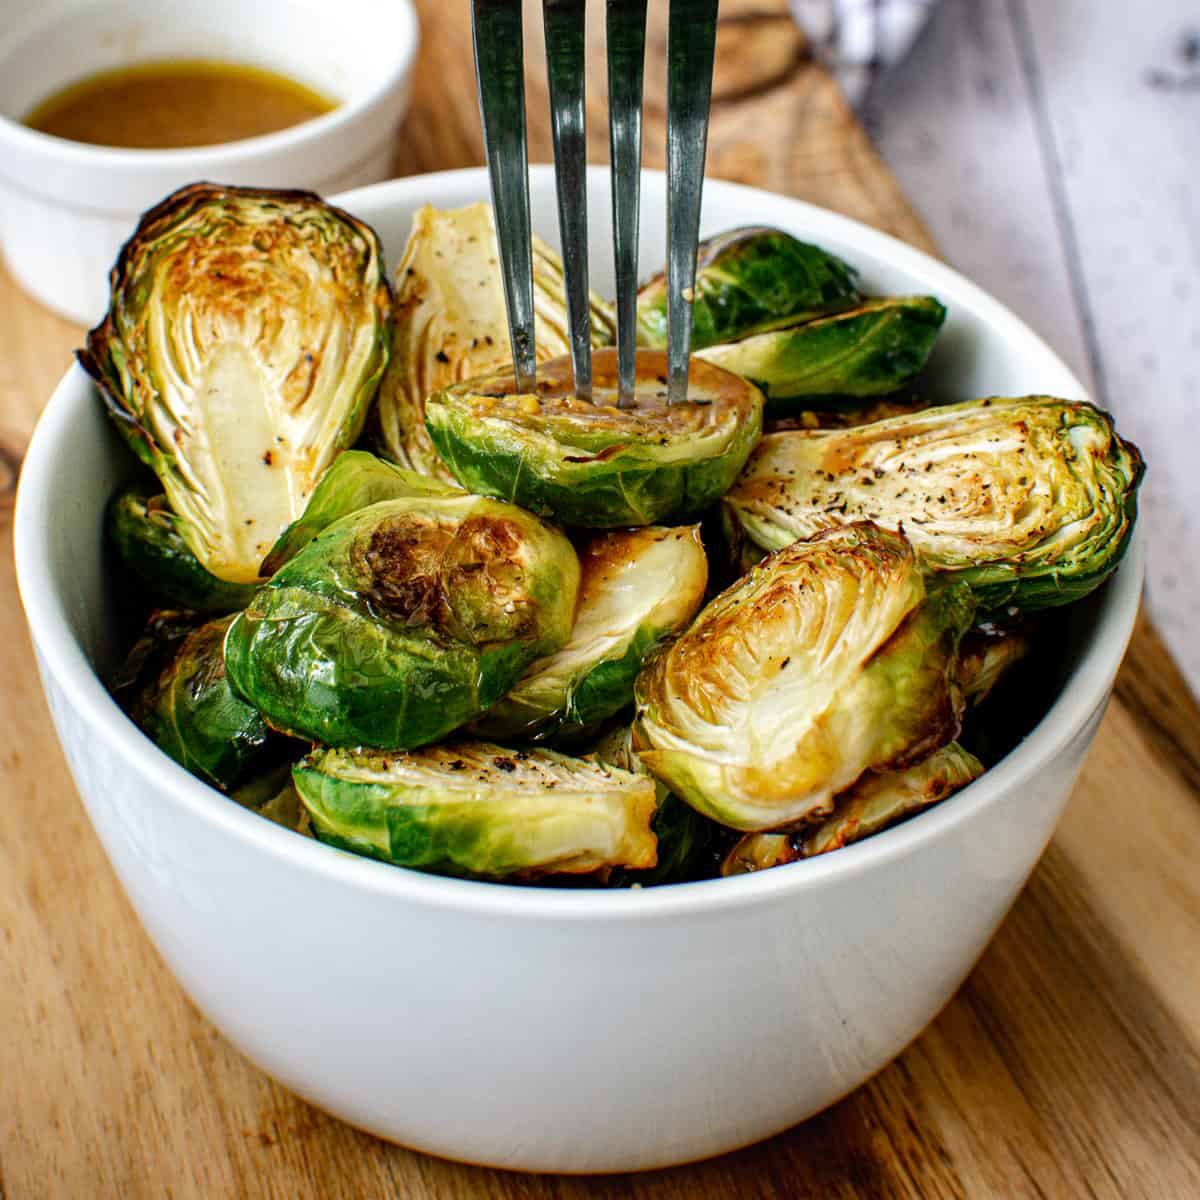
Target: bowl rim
x=64, y=661
x=226, y=155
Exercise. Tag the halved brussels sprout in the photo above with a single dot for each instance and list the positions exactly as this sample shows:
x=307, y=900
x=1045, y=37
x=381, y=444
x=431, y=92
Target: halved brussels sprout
x=404, y=620
x=832, y=657
x=245, y=338
x=187, y=708
x=476, y=809
x=273, y=795
x=637, y=586
x=143, y=531
x=876, y=801
x=594, y=464
x=356, y=480
x=1032, y=500
x=747, y=281
x=986, y=654
x=451, y=323
x=872, y=350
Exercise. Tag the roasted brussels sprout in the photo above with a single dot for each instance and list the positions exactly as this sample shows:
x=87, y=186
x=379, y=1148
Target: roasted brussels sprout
x=637, y=586
x=594, y=464
x=872, y=350
x=476, y=809
x=404, y=620
x=1031, y=500
x=142, y=530
x=356, y=480
x=183, y=703
x=877, y=800
x=986, y=654
x=245, y=338
x=273, y=795
x=832, y=657
x=747, y=281
x=451, y=323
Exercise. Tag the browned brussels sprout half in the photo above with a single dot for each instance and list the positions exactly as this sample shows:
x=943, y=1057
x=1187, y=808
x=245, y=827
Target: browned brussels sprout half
x=477, y=809
x=1031, y=500
x=748, y=281
x=451, y=323
x=404, y=620
x=595, y=464
x=637, y=587
x=834, y=656
x=245, y=338
x=877, y=800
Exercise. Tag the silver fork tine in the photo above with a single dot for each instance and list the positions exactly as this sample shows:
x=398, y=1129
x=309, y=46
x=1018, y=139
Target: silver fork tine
x=626, y=34
x=691, y=42
x=563, y=21
x=500, y=77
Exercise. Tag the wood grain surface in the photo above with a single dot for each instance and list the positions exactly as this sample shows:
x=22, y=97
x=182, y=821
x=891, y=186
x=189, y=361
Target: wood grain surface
x=1068, y=1065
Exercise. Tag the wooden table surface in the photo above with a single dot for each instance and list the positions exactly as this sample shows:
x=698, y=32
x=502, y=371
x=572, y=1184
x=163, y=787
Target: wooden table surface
x=1068, y=1064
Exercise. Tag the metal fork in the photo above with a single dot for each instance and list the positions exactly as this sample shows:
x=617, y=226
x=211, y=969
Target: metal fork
x=499, y=67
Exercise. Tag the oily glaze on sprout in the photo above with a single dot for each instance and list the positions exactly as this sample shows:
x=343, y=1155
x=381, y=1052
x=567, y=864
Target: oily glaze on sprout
x=245, y=338
x=831, y=657
x=405, y=620
x=451, y=324
x=474, y=808
x=356, y=480
x=144, y=532
x=748, y=281
x=174, y=686
x=872, y=350
x=1031, y=500
x=595, y=464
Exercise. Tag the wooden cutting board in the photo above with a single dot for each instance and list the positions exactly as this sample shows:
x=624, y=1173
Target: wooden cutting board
x=1068, y=1065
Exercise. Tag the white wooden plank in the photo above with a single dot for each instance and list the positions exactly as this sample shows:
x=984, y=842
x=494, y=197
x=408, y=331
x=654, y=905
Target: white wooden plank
x=955, y=124
x=1051, y=149
x=1119, y=84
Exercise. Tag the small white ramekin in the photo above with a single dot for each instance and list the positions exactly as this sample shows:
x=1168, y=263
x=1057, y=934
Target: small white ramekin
x=66, y=207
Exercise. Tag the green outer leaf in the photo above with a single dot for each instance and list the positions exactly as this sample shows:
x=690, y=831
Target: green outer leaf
x=832, y=657
x=598, y=474
x=495, y=814
x=1032, y=500
x=142, y=530
x=322, y=660
x=190, y=713
x=637, y=587
x=747, y=281
x=211, y=251
x=873, y=350
x=356, y=480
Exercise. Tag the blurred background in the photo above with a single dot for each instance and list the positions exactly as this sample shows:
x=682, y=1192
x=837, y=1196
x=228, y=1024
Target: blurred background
x=1052, y=147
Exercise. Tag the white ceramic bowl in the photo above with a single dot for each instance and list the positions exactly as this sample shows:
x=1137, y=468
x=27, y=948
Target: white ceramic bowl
x=65, y=207
x=557, y=1030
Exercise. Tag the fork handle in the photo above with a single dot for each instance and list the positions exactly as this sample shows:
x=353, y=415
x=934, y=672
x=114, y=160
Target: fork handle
x=691, y=45
x=500, y=76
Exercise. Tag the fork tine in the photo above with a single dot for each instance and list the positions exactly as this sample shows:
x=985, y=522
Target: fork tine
x=563, y=21
x=626, y=34
x=691, y=43
x=500, y=77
